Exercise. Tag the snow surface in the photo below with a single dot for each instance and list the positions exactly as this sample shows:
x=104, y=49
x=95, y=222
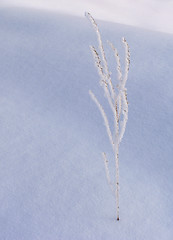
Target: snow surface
x=150, y=14
x=52, y=177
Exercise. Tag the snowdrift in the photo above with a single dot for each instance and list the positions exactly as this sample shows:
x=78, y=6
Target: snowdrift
x=52, y=177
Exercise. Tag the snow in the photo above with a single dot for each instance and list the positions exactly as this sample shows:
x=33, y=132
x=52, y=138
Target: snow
x=150, y=14
x=52, y=177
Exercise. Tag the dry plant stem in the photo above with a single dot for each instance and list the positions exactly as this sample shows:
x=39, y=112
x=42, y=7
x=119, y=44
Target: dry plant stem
x=104, y=83
x=103, y=115
x=116, y=152
x=107, y=74
x=125, y=115
x=117, y=59
x=127, y=61
x=107, y=172
x=117, y=102
x=117, y=182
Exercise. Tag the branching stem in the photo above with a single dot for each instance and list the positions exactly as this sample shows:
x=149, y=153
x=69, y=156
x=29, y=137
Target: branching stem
x=117, y=101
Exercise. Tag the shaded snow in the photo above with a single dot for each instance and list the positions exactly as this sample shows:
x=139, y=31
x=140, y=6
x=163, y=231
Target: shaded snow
x=52, y=177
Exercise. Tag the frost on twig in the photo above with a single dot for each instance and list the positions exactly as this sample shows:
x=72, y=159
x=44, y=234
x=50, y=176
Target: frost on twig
x=103, y=79
x=105, y=64
x=107, y=171
x=116, y=97
x=117, y=58
x=103, y=115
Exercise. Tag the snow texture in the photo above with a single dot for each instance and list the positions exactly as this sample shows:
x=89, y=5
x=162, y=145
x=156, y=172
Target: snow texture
x=52, y=178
